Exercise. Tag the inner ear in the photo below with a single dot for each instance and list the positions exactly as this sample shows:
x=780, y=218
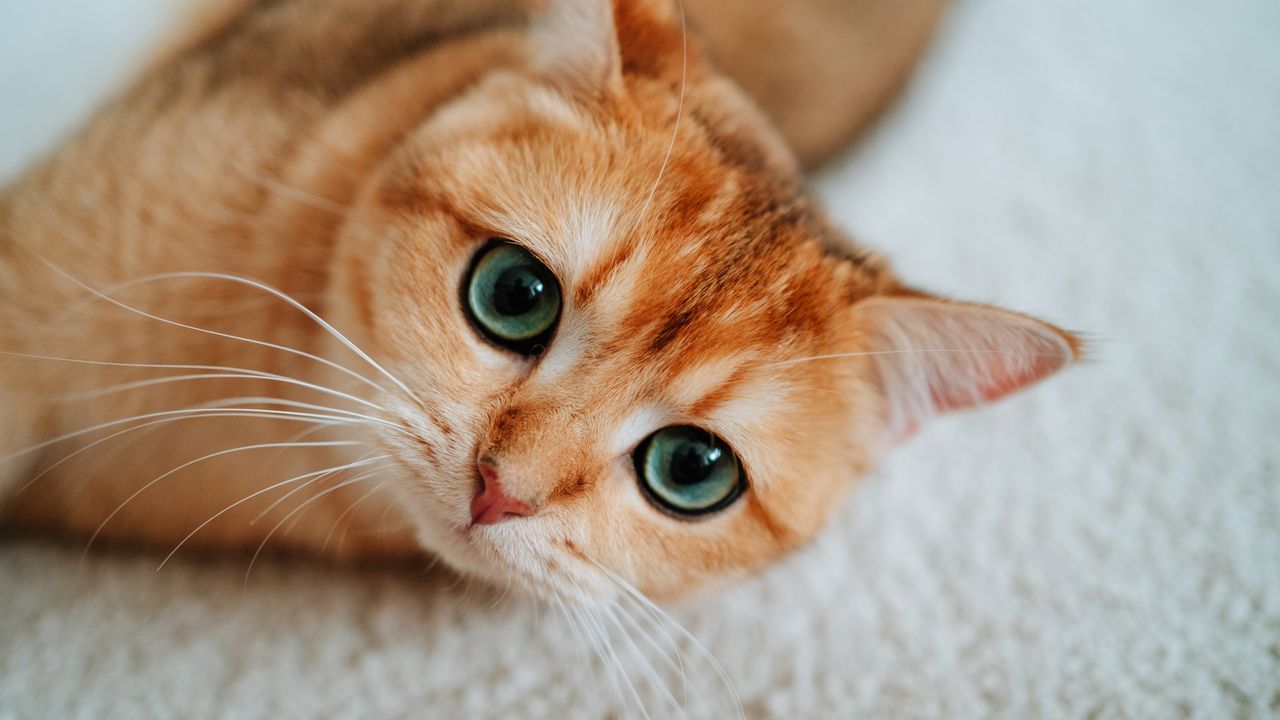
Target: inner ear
x=934, y=356
x=583, y=47
x=575, y=47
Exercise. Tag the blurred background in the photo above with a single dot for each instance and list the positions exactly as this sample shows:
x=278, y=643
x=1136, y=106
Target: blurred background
x=1107, y=545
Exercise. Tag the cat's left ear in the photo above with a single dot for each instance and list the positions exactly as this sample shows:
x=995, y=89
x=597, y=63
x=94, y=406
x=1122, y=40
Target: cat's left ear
x=934, y=356
x=580, y=46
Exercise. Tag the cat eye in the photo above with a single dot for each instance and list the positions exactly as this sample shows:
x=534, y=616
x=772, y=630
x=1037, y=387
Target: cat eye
x=512, y=298
x=688, y=471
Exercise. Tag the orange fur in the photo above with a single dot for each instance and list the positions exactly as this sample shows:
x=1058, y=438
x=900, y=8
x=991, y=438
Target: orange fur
x=355, y=157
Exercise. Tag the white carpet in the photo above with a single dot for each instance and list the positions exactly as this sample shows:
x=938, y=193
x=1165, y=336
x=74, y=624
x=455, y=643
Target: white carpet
x=1105, y=546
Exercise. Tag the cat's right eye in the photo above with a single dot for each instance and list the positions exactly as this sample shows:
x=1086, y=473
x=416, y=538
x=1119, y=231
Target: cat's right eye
x=512, y=298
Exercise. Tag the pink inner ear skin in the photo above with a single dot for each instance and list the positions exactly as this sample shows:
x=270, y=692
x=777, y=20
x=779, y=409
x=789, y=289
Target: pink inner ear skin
x=1000, y=380
x=935, y=356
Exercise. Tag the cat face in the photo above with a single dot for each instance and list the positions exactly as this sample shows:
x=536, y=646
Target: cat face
x=617, y=314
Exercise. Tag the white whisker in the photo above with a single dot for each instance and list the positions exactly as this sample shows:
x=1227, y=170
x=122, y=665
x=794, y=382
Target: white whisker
x=579, y=642
x=597, y=646
x=254, y=520
x=202, y=458
x=306, y=311
x=320, y=425
x=350, y=508
x=304, y=505
x=505, y=589
x=676, y=665
x=667, y=619
x=296, y=305
x=232, y=372
x=267, y=400
x=305, y=432
x=247, y=498
x=215, y=333
x=675, y=131
x=297, y=194
x=139, y=384
x=645, y=666
x=617, y=663
x=254, y=412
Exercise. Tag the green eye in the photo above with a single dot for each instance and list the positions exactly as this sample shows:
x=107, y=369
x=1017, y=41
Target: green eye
x=512, y=298
x=688, y=471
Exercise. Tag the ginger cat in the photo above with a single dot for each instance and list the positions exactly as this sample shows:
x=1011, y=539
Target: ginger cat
x=542, y=297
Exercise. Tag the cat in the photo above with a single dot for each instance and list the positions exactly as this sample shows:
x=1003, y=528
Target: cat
x=543, y=297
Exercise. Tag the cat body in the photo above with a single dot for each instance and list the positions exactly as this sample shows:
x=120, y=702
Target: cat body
x=254, y=275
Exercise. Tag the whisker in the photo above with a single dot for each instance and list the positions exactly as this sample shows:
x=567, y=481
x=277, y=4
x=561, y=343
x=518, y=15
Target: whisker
x=239, y=372
x=675, y=131
x=109, y=363
x=597, y=647
x=139, y=384
x=306, y=311
x=202, y=458
x=350, y=508
x=215, y=333
x=579, y=642
x=303, y=506
x=266, y=400
x=255, y=412
x=247, y=498
x=617, y=662
x=305, y=432
x=667, y=619
x=673, y=665
x=660, y=628
x=296, y=437
x=505, y=589
x=296, y=305
x=645, y=665
x=254, y=520
x=288, y=191
x=319, y=425
x=382, y=523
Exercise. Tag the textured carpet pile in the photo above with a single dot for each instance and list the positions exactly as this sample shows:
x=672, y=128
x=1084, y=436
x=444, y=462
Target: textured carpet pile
x=1107, y=545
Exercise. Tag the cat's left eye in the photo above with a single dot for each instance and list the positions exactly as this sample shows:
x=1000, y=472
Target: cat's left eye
x=688, y=471
x=512, y=298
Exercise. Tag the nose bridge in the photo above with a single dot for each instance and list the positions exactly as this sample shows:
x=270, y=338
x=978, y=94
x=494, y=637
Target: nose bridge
x=541, y=447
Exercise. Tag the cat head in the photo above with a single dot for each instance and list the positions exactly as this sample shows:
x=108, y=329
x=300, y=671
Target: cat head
x=635, y=348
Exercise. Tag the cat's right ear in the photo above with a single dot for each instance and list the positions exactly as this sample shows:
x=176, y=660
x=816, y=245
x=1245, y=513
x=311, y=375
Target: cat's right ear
x=575, y=47
x=581, y=46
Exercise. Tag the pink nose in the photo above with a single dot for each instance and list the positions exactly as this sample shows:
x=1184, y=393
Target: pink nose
x=491, y=504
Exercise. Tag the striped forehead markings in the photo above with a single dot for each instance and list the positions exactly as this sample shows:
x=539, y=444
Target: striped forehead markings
x=603, y=272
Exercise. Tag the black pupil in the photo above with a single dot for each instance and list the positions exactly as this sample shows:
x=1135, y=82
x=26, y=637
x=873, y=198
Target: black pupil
x=692, y=463
x=517, y=291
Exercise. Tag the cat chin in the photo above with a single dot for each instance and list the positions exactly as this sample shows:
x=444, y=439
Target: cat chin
x=518, y=558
